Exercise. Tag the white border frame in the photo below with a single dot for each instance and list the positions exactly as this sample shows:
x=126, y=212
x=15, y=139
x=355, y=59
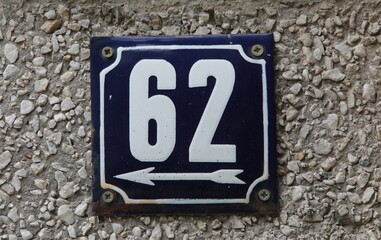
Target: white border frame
x=128, y=200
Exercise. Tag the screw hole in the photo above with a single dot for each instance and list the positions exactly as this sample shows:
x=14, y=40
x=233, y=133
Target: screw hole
x=107, y=52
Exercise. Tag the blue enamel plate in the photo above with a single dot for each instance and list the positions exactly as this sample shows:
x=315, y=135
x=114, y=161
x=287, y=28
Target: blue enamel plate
x=183, y=124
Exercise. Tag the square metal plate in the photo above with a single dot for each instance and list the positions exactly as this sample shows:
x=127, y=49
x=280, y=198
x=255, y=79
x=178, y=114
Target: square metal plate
x=183, y=124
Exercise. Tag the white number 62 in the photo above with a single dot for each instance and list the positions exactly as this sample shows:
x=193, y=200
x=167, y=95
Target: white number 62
x=161, y=109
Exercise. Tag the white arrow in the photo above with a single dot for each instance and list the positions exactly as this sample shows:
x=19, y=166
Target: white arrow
x=224, y=176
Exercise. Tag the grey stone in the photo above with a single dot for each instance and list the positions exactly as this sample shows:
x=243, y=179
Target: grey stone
x=318, y=54
x=297, y=193
x=369, y=92
x=293, y=166
x=82, y=173
x=10, y=71
x=306, y=40
x=80, y=210
x=71, y=231
x=342, y=210
x=65, y=214
x=43, y=234
x=352, y=159
x=340, y=176
x=5, y=159
x=322, y=147
x=367, y=195
x=74, y=49
x=13, y=214
x=117, y=228
x=332, y=121
x=363, y=179
x=38, y=61
x=51, y=14
x=55, y=44
x=67, y=76
x=351, y=100
x=360, y=51
x=53, y=100
x=40, y=183
x=344, y=50
x=168, y=231
x=63, y=11
x=216, y=224
x=354, y=198
x=328, y=164
x=295, y=89
x=301, y=20
x=41, y=85
x=287, y=23
x=291, y=114
x=334, y=75
x=26, y=107
x=156, y=233
x=85, y=23
x=16, y=183
x=10, y=119
x=137, y=232
x=277, y=37
x=304, y=131
x=11, y=52
x=202, y=31
x=286, y=230
x=68, y=190
x=171, y=30
x=67, y=104
x=85, y=54
x=237, y=223
x=26, y=234
x=59, y=117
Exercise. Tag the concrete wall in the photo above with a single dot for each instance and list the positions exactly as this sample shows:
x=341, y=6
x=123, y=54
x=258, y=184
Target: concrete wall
x=328, y=116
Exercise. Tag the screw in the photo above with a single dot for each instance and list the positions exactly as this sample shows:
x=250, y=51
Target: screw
x=264, y=194
x=107, y=52
x=108, y=197
x=257, y=50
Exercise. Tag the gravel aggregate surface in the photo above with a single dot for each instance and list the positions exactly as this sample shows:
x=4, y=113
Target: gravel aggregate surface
x=328, y=96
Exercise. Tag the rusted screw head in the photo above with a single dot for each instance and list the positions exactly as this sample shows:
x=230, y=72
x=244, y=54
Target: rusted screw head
x=264, y=194
x=107, y=197
x=257, y=50
x=107, y=52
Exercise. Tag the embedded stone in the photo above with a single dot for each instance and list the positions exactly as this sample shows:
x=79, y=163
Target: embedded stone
x=41, y=85
x=10, y=71
x=80, y=210
x=74, y=49
x=328, y=164
x=367, y=195
x=13, y=215
x=26, y=107
x=332, y=121
x=322, y=147
x=65, y=214
x=67, y=76
x=156, y=233
x=334, y=75
x=11, y=52
x=369, y=92
x=5, y=159
x=26, y=234
x=344, y=50
x=50, y=26
x=67, y=104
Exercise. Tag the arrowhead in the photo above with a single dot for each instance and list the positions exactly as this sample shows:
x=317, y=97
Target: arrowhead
x=139, y=176
x=227, y=176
